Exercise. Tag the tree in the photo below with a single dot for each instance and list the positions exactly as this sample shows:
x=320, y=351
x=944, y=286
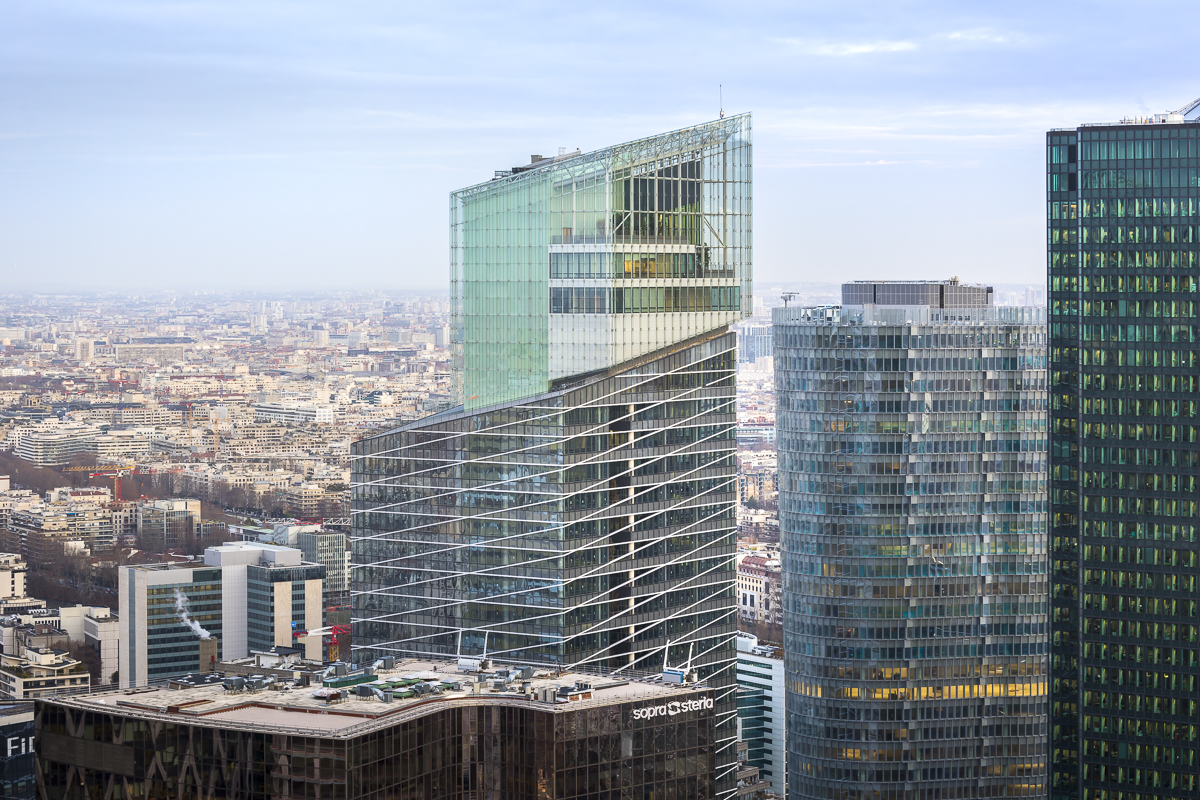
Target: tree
x=87, y=655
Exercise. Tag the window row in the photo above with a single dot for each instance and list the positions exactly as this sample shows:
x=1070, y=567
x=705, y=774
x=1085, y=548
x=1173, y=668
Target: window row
x=1139, y=259
x=1122, y=150
x=1014, y=336
x=1139, y=481
x=646, y=299
x=1129, y=207
x=1139, y=178
x=1175, y=334
x=1128, y=234
x=630, y=265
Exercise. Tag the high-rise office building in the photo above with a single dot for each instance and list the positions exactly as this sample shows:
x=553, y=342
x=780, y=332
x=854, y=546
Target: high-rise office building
x=578, y=508
x=754, y=342
x=1124, y=230
x=912, y=497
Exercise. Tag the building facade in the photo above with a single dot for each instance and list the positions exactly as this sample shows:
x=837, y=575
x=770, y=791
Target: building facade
x=329, y=548
x=755, y=342
x=760, y=590
x=17, y=778
x=1123, y=241
x=54, y=443
x=43, y=532
x=912, y=466
x=245, y=596
x=166, y=524
x=35, y=662
x=762, y=720
x=575, y=264
x=572, y=737
x=578, y=508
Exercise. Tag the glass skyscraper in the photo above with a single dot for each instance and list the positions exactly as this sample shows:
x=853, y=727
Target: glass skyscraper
x=1124, y=230
x=579, y=263
x=578, y=508
x=912, y=468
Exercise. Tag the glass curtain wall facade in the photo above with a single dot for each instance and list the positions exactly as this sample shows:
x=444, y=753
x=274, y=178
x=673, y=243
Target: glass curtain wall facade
x=912, y=448
x=589, y=528
x=584, y=528
x=1124, y=227
x=578, y=507
x=589, y=260
x=498, y=748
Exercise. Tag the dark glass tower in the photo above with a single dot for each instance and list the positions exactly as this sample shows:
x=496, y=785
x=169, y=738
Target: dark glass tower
x=1124, y=230
x=912, y=469
x=578, y=509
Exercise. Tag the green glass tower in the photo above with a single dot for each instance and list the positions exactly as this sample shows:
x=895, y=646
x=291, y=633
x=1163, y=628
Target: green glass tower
x=1124, y=230
x=577, y=510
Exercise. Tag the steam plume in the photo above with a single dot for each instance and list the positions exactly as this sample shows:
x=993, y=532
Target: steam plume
x=181, y=608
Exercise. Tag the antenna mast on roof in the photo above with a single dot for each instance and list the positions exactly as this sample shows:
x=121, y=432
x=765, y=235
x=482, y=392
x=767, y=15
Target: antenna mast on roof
x=721, y=97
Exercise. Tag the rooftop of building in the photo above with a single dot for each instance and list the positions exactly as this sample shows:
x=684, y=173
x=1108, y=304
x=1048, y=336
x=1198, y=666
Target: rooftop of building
x=692, y=134
x=231, y=553
x=1188, y=114
x=284, y=708
x=747, y=645
x=947, y=282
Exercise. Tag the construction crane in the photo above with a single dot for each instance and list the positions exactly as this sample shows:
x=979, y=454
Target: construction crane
x=336, y=631
x=118, y=472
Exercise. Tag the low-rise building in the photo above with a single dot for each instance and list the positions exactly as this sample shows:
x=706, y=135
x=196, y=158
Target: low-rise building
x=52, y=443
x=12, y=575
x=293, y=413
x=44, y=532
x=102, y=632
x=119, y=446
x=94, y=626
x=760, y=590
x=165, y=524
x=36, y=663
x=511, y=733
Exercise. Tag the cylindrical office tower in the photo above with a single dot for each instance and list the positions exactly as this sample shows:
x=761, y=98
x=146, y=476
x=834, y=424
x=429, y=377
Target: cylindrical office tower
x=912, y=465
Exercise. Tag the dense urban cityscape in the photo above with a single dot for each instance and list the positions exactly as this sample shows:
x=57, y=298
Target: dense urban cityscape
x=612, y=518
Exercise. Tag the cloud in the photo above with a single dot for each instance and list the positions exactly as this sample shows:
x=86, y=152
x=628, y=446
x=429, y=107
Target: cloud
x=985, y=36
x=847, y=48
x=807, y=164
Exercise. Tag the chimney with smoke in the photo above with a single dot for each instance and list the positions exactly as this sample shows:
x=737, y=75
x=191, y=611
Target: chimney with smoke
x=208, y=654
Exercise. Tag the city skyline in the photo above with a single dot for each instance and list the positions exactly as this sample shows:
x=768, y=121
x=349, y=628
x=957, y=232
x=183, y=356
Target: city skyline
x=191, y=145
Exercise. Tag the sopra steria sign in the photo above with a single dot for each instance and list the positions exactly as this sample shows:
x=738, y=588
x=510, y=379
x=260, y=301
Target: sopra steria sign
x=673, y=708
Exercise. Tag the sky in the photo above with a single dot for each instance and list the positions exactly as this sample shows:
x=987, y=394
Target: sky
x=261, y=145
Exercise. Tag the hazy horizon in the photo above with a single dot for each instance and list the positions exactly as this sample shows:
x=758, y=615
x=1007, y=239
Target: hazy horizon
x=303, y=146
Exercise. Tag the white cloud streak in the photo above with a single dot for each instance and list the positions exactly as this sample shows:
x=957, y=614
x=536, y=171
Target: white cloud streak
x=838, y=49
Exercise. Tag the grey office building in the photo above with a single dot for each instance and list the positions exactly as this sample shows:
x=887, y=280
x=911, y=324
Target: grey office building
x=912, y=466
x=577, y=509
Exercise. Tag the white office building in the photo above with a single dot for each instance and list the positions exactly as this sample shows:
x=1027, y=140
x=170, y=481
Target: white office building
x=761, y=717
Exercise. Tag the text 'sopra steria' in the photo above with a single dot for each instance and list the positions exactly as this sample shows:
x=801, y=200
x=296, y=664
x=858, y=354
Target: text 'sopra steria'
x=673, y=708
